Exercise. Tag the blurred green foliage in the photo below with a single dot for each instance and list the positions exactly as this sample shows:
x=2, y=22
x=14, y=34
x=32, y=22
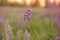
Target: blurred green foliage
x=38, y=28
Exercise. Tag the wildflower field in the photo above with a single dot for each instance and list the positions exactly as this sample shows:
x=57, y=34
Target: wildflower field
x=28, y=23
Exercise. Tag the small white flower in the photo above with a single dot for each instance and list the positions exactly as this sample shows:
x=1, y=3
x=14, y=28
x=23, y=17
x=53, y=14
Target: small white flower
x=27, y=36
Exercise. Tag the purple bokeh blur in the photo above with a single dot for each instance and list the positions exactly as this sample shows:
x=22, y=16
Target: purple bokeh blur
x=57, y=38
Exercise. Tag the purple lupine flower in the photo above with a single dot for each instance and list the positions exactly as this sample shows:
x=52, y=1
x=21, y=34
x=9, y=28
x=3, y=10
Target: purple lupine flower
x=57, y=38
x=28, y=12
x=26, y=35
x=18, y=35
x=27, y=15
x=26, y=19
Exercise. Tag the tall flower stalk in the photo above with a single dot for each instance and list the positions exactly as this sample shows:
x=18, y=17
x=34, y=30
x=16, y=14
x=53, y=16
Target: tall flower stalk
x=2, y=21
x=27, y=20
x=27, y=17
x=7, y=31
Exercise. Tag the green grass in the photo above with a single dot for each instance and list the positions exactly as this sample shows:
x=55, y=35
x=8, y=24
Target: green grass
x=37, y=27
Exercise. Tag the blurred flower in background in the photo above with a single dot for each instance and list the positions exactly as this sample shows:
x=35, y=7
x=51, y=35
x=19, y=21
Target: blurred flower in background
x=8, y=31
x=2, y=23
x=5, y=29
x=27, y=35
x=57, y=38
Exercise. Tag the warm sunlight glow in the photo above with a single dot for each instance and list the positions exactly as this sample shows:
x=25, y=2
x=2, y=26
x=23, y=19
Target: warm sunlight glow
x=11, y=1
x=42, y=3
x=57, y=2
x=28, y=2
x=20, y=1
x=33, y=2
x=51, y=1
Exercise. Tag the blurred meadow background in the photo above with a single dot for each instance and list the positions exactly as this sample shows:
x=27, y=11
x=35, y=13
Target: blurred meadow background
x=29, y=20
